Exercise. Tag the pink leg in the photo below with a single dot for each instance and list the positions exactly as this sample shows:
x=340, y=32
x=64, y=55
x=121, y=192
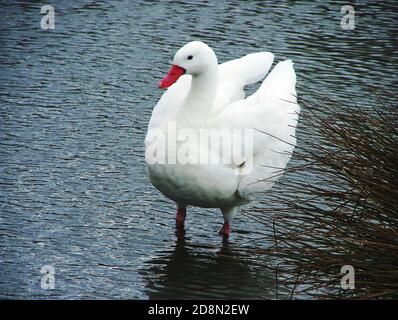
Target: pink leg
x=180, y=217
x=225, y=230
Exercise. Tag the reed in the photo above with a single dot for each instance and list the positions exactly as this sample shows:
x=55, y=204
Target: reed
x=338, y=203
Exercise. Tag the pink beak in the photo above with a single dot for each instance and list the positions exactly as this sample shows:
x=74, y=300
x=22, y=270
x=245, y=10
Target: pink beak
x=173, y=75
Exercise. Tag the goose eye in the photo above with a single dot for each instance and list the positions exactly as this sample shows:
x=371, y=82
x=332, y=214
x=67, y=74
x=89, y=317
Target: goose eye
x=189, y=57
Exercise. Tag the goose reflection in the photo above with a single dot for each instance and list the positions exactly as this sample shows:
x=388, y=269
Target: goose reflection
x=190, y=271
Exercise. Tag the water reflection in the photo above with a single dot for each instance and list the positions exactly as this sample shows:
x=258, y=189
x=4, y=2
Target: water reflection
x=190, y=271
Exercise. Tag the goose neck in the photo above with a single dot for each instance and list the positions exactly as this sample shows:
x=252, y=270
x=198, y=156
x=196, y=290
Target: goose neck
x=201, y=98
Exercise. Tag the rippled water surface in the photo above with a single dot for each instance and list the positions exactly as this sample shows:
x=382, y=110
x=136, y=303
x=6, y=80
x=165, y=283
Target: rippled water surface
x=74, y=105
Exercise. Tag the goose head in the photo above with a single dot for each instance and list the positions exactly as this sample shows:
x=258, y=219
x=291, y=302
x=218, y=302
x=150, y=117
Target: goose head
x=195, y=58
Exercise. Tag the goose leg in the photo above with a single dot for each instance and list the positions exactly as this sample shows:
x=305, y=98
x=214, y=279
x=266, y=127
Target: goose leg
x=228, y=214
x=180, y=217
x=225, y=229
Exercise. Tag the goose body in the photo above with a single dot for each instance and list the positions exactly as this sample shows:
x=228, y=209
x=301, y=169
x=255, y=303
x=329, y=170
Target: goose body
x=204, y=97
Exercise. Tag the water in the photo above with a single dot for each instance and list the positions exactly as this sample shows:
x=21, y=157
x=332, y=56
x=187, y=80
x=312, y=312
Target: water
x=75, y=102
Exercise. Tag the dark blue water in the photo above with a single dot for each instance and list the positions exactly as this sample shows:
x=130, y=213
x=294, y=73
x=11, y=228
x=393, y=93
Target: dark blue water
x=74, y=105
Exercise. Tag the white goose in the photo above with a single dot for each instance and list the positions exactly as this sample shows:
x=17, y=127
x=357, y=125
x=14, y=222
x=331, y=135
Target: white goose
x=204, y=95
